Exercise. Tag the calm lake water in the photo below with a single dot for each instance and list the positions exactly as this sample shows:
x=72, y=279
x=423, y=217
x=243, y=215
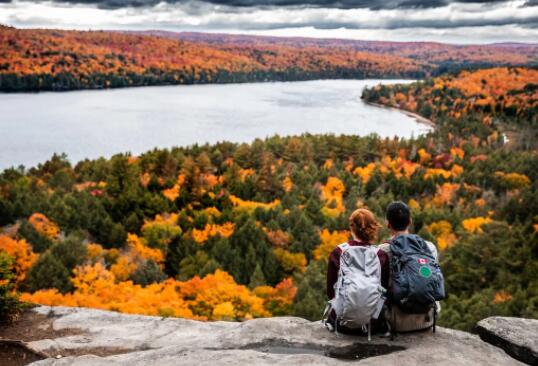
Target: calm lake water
x=89, y=124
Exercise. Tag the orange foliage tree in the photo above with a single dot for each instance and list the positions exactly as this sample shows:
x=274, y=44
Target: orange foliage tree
x=44, y=226
x=214, y=297
x=22, y=254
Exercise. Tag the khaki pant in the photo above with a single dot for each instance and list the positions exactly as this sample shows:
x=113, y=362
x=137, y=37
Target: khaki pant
x=403, y=322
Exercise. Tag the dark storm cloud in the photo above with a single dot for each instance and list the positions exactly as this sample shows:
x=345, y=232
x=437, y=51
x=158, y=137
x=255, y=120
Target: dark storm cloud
x=392, y=24
x=341, y=4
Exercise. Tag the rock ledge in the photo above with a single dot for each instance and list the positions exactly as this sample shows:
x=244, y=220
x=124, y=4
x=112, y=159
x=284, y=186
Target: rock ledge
x=291, y=341
x=517, y=336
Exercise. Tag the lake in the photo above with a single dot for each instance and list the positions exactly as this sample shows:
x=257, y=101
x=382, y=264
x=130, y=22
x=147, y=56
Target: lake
x=93, y=123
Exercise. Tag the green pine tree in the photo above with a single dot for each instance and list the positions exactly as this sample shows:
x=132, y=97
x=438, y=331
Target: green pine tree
x=311, y=298
x=47, y=273
x=257, y=278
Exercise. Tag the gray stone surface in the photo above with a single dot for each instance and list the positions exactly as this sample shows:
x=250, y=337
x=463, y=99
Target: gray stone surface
x=273, y=341
x=517, y=336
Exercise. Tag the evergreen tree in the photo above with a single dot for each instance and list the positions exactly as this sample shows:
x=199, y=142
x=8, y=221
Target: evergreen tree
x=146, y=273
x=71, y=252
x=199, y=264
x=40, y=243
x=9, y=304
x=311, y=298
x=180, y=248
x=305, y=236
x=48, y=273
x=257, y=278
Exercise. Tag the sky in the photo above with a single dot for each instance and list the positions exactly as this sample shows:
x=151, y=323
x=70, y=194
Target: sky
x=464, y=21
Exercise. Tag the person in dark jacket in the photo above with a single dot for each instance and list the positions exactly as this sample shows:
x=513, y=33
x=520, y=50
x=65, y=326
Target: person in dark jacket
x=398, y=221
x=364, y=230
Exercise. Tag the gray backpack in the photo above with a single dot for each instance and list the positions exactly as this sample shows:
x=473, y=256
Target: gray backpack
x=358, y=292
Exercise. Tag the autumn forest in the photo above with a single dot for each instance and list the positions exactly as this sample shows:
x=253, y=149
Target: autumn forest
x=41, y=59
x=236, y=231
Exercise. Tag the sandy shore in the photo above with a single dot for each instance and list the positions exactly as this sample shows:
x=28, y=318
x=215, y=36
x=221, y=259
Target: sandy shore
x=416, y=116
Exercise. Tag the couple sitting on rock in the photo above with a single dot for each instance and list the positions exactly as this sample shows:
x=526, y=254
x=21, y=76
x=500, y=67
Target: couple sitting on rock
x=391, y=287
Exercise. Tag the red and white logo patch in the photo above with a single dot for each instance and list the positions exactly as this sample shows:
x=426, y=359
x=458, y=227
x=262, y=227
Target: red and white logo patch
x=422, y=261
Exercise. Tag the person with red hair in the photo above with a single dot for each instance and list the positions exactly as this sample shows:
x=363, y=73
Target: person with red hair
x=364, y=230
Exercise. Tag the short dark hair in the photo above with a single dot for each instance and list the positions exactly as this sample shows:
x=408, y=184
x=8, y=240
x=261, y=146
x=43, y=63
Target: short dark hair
x=398, y=215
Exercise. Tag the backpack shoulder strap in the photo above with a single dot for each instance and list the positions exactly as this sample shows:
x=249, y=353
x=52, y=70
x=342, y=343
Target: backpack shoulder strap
x=433, y=249
x=344, y=246
x=385, y=247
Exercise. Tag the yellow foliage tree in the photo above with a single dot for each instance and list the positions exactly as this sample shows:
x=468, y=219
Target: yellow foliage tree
x=328, y=164
x=278, y=299
x=225, y=230
x=123, y=268
x=365, y=172
x=94, y=251
x=135, y=253
x=160, y=231
x=333, y=193
x=474, y=225
x=513, y=180
x=171, y=193
x=290, y=262
x=329, y=241
x=424, y=156
x=252, y=205
x=224, y=311
x=443, y=232
x=445, y=194
x=287, y=184
x=457, y=152
x=413, y=204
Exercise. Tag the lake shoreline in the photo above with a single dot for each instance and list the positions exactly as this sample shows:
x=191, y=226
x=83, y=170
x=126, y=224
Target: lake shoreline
x=172, y=84
x=417, y=117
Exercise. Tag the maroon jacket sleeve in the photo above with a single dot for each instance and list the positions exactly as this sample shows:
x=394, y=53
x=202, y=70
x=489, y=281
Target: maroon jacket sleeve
x=332, y=271
x=385, y=268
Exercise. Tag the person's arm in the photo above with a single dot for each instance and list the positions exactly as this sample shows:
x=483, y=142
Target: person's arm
x=332, y=271
x=385, y=268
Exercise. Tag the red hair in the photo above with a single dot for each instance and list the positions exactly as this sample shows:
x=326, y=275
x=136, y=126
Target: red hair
x=364, y=225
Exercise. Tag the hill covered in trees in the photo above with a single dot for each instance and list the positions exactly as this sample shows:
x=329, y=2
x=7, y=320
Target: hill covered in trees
x=235, y=231
x=438, y=54
x=503, y=98
x=41, y=59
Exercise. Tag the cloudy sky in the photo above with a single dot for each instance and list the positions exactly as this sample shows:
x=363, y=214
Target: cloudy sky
x=464, y=21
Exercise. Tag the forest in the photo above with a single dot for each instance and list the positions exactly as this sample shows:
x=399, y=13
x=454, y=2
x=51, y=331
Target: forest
x=59, y=60
x=236, y=231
